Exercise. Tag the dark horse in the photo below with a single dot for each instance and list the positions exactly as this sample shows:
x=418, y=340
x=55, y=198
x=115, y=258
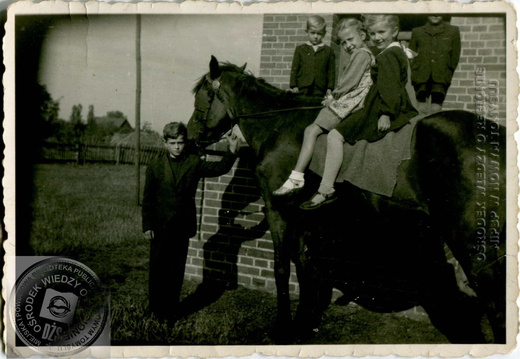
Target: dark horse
x=386, y=254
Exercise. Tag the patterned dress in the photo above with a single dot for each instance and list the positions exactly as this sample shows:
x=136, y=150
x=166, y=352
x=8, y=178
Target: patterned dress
x=354, y=84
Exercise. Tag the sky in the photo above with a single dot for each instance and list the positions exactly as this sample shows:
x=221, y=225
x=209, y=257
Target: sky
x=91, y=61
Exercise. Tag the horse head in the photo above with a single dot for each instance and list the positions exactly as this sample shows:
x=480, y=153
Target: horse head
x=214, y=103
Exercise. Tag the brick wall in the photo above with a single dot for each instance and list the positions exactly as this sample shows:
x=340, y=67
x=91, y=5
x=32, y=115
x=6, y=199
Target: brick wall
x=483, y=47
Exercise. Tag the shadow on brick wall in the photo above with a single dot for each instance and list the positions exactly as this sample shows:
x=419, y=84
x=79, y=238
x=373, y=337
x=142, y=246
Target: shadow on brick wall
x=221, y=250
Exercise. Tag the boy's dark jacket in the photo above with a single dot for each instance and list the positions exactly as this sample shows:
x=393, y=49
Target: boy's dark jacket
x=169, y=193
x=438, y=49
x=310, y=67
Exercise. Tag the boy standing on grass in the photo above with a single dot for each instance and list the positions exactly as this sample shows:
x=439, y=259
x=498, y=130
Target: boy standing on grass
x=313, y=67
x=169, y=214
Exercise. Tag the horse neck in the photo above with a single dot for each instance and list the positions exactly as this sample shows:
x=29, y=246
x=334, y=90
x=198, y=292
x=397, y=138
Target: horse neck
x=259, y=115
x=257, y=131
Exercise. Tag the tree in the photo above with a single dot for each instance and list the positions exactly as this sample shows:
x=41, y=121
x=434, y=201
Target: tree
x=76, y=119
x=90, y=117
x=116, y=114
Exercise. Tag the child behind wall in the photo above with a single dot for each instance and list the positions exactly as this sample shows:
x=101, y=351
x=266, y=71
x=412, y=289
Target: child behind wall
x=313, y=67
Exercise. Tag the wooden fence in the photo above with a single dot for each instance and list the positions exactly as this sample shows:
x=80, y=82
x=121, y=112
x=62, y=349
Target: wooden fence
x=84, y=153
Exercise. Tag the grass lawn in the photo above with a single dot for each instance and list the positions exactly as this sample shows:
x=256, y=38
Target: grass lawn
x=89, y=213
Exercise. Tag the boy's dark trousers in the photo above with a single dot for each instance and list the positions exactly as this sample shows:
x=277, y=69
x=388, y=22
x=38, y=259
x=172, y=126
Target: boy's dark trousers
x=168, y=252
x=312, y=91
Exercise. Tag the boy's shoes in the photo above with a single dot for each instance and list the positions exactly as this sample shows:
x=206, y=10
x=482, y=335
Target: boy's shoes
x=290, y=186
x=318, y=200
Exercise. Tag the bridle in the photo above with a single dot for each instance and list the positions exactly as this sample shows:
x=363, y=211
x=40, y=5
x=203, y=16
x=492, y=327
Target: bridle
x=217, y=94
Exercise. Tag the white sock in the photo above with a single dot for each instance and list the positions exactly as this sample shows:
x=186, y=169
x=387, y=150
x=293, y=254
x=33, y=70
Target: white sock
x=297, y=177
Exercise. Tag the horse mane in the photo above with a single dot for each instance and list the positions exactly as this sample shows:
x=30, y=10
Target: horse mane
x=251, y=85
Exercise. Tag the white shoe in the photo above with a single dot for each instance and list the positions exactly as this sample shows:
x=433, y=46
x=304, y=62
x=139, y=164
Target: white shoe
x=290, y=186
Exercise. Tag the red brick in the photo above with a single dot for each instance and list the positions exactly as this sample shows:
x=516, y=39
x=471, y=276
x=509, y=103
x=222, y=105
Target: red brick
x=271, y=25
x=479, y=28
x=464, y=98
x=468, y=67
x=209, y=228
x=457, y=90
x=245, y=260
x=250, y=270
x=490, y=68
x=259, y=282
x=495, y=43
x=474, y=60
x=492, y=36
x=266, y=273
x=477, y=44
x=261, y=263
x=490, y=20
x=197, y=262
x=473, y=20
x=243, y=280
x=491, y=60
x=290, y=25
x=466, y=83
x=460, y=75
x=470, y=36
x=265, y=72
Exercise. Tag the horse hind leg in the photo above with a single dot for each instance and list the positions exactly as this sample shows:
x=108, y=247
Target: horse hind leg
x=447, y=159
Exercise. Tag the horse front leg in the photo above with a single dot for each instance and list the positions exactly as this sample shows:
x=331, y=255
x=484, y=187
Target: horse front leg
x=282, y=329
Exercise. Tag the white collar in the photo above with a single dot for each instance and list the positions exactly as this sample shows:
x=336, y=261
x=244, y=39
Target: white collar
x=409, y=53
x=315, y=46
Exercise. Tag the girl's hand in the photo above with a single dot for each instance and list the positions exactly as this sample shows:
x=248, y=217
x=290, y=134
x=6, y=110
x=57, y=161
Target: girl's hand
x=328, y=100
x=148, y=235
x=232, y=140
x=295, y=90
x=384, y=123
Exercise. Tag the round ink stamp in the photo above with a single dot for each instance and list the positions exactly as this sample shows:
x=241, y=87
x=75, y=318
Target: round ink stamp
x=59, y=307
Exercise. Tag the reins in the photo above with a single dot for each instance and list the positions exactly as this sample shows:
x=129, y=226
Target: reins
x=215, y=84
x=280, y=110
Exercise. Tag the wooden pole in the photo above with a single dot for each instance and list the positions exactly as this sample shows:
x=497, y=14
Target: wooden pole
x=138, y=106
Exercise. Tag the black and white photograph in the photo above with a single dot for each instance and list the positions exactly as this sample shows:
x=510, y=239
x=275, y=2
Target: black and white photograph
x=193, y=179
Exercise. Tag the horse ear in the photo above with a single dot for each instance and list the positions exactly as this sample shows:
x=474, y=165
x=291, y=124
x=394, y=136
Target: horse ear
x=214, y=68
x=243, y=67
